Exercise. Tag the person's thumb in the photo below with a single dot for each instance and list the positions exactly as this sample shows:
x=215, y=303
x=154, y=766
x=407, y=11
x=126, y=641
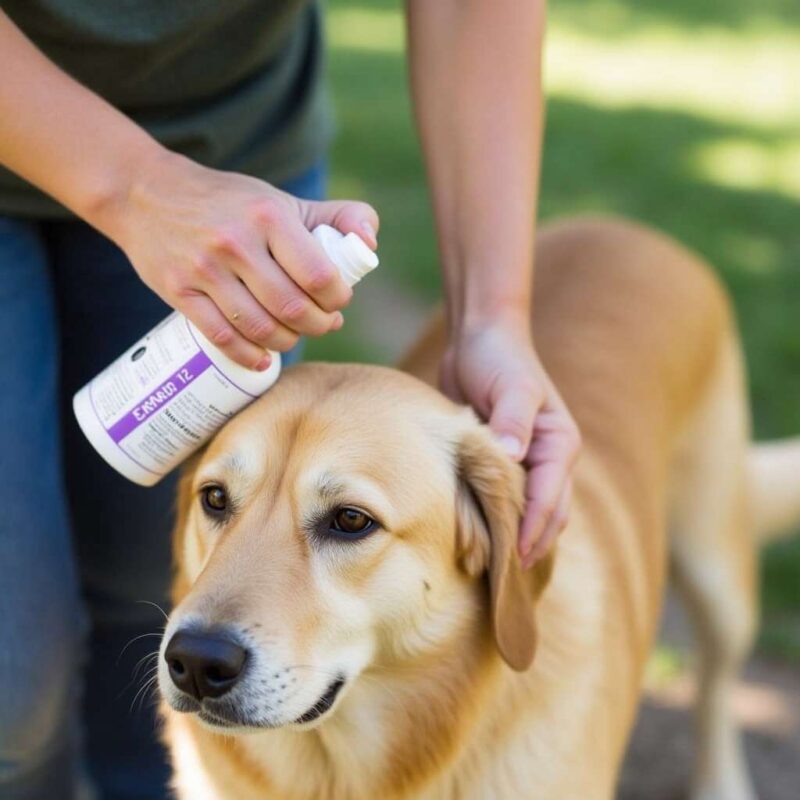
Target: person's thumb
x=512, y=419
x=347, y=216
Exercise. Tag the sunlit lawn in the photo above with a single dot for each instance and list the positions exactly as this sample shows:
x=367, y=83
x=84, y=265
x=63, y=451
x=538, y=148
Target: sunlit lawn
x=682, y=114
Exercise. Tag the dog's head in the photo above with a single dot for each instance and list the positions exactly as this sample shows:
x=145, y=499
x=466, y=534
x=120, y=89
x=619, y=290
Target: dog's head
x=350, y=520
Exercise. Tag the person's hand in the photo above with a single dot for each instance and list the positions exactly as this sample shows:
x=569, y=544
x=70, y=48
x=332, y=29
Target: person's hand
x=236, y=256
x=495, y=369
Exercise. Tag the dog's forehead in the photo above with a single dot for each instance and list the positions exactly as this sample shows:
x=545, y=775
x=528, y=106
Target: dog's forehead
x=347, y=413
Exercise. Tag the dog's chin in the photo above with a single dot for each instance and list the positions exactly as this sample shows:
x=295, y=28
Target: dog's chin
x=228, y=720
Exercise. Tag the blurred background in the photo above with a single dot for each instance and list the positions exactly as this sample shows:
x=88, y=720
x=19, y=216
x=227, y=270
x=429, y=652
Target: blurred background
x=683, y=114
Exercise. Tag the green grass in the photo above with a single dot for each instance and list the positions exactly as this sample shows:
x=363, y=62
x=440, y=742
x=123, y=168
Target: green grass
x=682, y=114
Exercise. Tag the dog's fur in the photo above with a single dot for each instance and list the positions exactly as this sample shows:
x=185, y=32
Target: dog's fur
x=453, y=688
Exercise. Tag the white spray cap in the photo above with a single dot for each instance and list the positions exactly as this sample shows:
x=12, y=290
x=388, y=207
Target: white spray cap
x=352, y=257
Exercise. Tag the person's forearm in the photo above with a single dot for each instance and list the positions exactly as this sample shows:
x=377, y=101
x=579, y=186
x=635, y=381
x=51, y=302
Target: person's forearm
x=476, y=84
x=63, y=138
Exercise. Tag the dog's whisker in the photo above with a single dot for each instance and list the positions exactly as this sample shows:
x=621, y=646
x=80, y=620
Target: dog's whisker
x=142, y=693
x=150, y=671
x=150, y=683
x=137, y=669
x=135, y=639
x=142, y=662
x=135, y=698
x=155, y=605
x=142, y=670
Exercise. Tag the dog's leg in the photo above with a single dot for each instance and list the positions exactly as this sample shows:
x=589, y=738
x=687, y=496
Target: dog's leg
x=714, y=568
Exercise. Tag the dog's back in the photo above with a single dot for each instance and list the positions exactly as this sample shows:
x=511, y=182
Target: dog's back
x=638, y=335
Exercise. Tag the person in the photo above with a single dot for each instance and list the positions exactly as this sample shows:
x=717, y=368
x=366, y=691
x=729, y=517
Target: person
x=173, y=155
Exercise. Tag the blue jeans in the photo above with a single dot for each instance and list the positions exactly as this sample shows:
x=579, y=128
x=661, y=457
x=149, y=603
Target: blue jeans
x=84, y=554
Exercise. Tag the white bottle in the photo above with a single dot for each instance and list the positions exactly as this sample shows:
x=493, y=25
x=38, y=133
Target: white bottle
x=172, y=390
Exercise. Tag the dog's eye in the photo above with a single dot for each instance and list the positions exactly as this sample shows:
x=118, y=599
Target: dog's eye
x=214, y=500
x=351, y=523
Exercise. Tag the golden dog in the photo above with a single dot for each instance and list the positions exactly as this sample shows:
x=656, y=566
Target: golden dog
x=351, y=619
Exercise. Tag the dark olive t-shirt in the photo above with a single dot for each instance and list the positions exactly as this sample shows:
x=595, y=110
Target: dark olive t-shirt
x=234, y=84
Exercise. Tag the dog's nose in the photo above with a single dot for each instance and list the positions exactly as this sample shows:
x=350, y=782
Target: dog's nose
x=204, y=665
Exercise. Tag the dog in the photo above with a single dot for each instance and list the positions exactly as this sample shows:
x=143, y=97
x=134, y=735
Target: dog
x=351, y=619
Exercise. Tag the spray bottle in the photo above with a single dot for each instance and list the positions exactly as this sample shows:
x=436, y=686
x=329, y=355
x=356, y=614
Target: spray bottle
x=171, y=391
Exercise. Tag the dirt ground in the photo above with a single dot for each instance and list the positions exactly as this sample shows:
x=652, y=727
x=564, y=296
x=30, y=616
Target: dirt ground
x=659, y=758
x=767, y=705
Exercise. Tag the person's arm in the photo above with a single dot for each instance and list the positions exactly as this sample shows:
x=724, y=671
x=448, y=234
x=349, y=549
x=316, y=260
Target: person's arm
x=476, y=83
x=231, y=252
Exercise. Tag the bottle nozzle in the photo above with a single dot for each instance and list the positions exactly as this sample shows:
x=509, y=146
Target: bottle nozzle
x=350, y=254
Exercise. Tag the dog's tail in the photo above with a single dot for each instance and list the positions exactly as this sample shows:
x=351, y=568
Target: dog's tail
x=774, y=479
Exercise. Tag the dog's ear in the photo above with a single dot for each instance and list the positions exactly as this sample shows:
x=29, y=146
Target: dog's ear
x=489, y=507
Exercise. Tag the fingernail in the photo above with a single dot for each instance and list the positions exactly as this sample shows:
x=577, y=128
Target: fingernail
x=511, y=445
x=338, y=321
x=370, y=231
x=264, y=363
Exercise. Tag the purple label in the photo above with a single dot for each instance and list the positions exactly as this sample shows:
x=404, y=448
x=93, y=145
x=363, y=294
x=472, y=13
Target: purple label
x=160, y=396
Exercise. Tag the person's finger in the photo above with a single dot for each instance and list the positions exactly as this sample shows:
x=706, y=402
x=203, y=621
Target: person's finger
x=286, y=301
x=203, y=312
x=515, y=404
x=552, y=455
x=303, y=259
x=250, y=318
x=347, y=216
x=556, y=525
x=543, y=489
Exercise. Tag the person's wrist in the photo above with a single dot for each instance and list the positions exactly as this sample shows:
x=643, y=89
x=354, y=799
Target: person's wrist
x=511, y=317
x=479, y=297
x=106, y=204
